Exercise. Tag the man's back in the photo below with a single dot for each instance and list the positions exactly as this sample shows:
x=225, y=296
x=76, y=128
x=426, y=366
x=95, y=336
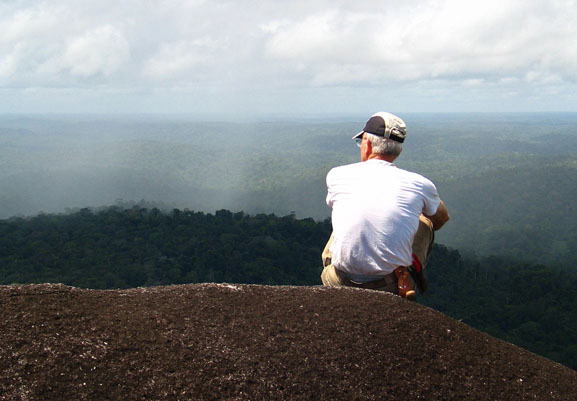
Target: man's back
x=376, y=208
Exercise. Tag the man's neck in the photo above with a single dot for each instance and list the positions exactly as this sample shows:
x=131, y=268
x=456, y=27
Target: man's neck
x=387, y=158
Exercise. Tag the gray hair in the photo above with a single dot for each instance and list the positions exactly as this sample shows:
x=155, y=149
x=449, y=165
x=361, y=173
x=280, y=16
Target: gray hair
x=384, y=146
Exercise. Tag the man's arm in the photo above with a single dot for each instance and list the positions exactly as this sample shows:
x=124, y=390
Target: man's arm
x=440, y=217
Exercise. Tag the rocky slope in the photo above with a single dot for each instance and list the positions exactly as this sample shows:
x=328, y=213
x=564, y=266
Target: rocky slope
x=248, y=342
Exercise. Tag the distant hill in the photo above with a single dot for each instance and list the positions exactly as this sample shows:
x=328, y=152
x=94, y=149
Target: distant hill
x=524, y=213
x=508, y=179
x=248, y=342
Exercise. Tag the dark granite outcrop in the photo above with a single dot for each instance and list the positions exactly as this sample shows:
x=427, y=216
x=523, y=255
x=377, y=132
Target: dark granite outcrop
x=248, y=342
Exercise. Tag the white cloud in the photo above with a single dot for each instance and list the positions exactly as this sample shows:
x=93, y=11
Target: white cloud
x=7, y=66
x=287, y=48
x=314, y=39
x=444, y=39
x=31, y=23
x=102, y=50
x=179, y=59
x=52, y=44
x=473, y=82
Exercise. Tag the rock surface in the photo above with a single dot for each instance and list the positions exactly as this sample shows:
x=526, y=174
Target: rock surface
x=249, y=342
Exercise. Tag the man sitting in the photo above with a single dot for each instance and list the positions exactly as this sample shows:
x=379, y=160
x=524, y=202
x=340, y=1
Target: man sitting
x=383, y=217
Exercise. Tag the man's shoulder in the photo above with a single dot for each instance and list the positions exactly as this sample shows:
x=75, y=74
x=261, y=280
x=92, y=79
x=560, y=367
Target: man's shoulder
x=343, y=169
x=348, y=166
x=414, y=175
x=378, y=167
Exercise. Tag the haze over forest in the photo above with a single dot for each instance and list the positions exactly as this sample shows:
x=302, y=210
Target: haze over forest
x=509, y=180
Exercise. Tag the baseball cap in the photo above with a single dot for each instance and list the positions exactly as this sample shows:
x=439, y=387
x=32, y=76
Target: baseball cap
x=386, y=125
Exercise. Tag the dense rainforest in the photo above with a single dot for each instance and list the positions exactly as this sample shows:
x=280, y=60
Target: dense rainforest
x=530, y=305
x=509, y=180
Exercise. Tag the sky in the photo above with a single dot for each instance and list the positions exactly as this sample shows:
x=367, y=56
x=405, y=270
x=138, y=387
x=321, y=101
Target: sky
x=287, y=57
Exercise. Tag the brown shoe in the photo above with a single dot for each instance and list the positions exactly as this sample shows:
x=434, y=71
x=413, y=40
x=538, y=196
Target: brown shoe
x=404, y=282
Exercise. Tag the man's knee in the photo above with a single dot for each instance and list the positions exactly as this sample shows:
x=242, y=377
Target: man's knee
x=330, y=278
x=326, y=255
x=426, y=221
x=424, y=239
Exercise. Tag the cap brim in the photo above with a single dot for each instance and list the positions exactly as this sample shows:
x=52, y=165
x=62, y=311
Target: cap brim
x=359, y=135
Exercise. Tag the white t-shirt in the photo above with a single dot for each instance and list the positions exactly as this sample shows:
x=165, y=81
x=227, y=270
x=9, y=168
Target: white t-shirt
x=376, y=208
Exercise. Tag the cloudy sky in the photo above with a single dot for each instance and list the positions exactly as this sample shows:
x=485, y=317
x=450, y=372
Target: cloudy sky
x=287, y=56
